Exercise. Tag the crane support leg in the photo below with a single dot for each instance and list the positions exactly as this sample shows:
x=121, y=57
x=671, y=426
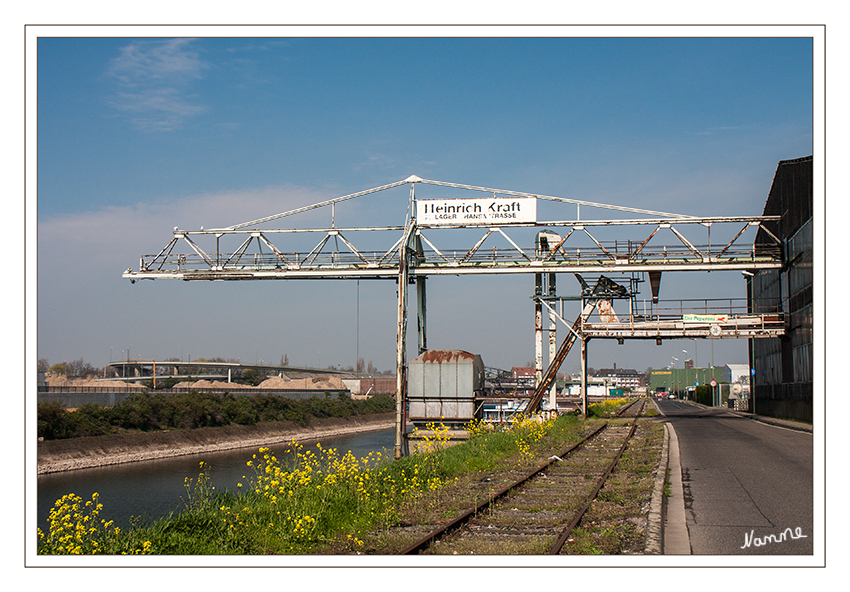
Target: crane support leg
x=553, y=345
x=421, y=314
x=584, y=341
x=560, y=356
x=538, y=330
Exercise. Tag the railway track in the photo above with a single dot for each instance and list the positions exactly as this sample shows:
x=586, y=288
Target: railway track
x=537, y=512
x=633, y=409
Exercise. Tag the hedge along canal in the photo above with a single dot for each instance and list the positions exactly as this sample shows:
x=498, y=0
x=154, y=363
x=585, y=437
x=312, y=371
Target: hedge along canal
x=153, y=488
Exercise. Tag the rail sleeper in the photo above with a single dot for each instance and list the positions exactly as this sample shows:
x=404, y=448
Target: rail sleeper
x=536, y=513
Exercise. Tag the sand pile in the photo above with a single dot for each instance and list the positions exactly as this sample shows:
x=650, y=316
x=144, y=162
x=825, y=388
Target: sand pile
x=62, y=380
x=215, y=384
x=324, y=382
x=114, y=383
x=276, y=382
x=197, y=384
x=220, y=384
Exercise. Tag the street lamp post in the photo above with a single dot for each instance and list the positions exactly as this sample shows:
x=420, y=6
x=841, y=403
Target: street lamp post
x=675, y=360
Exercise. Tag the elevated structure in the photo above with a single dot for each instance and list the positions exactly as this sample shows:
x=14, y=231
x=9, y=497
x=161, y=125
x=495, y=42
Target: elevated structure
x=686, y=319
x=257, y=257
x=139, y=370
x=428, y=242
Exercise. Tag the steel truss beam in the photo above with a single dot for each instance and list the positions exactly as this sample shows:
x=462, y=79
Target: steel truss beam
x=324, y=262
x=429, y=259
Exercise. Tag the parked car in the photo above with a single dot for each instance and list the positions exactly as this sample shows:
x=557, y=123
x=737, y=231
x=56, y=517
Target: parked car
x=671, y=396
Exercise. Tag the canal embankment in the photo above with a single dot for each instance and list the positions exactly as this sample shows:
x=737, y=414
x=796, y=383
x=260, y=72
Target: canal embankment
x=99, y=451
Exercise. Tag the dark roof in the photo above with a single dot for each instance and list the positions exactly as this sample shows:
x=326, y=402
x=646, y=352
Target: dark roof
x=791, y=196
x=617, y=372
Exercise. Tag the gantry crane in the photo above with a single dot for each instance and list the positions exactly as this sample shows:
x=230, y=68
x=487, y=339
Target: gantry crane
x=247, y=251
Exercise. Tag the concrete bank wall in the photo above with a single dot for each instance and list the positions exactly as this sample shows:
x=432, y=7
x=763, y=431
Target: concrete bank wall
x=78, y=453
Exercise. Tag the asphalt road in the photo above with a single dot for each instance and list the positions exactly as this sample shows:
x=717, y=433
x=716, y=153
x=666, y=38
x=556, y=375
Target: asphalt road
x=743, y=481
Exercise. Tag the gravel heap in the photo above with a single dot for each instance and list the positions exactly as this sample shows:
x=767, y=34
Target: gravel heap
x=321, y=382
x=62, y=380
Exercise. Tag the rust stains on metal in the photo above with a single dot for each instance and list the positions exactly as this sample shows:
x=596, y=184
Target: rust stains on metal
x=442, y=356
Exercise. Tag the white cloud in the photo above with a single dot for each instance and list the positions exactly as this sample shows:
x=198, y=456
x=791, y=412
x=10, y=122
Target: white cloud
x=145, y=225
x=153, y=79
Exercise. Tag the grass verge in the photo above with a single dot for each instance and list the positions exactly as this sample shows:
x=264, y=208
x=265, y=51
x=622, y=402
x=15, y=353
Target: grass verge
x=326, y=502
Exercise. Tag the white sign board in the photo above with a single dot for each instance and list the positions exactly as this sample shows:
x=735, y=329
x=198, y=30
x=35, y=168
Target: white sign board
x=488, y=211
x=704, y=318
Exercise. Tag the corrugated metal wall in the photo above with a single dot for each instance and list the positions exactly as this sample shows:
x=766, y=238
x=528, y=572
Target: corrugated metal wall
x=442, y=386
x=782, y=384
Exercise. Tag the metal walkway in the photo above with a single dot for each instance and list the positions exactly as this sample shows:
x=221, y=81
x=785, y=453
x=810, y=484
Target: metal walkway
x=724, y=318
x=728, y=327
x=253, y=254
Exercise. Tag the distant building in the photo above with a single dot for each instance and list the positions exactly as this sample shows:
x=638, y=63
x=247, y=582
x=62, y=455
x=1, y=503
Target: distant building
x=737, y=374
x=370, y=384
x=596, y=387
x=679, y=379
x=624, y=378
x=782, y=380
x=524, y=376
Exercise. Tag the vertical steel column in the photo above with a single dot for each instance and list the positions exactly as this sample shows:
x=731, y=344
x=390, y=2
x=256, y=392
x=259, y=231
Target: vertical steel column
x=586, y=308
x=401, y=337
x=538, y=329
x=553, y=344
x=421, y=313
x=584, y=341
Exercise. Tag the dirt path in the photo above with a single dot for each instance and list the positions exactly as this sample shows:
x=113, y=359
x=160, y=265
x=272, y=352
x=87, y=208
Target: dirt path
x=79, y=453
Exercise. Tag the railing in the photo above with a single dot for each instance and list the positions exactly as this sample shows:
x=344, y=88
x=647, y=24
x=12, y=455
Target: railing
x=623, y=253
x=735, y=315
x=334, y=256
x=91, y=389
x=676, y=309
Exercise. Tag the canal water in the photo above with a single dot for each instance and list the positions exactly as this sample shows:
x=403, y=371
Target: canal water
x=152, y=489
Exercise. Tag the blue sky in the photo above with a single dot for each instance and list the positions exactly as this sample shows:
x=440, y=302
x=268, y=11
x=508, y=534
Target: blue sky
x=138, y=135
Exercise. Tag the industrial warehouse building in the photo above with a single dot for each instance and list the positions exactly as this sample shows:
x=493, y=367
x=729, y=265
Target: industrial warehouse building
x=678, y=380
x=781, y=379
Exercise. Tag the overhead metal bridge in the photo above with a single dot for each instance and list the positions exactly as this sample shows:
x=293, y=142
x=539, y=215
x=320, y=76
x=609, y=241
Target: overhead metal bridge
x=261, y=253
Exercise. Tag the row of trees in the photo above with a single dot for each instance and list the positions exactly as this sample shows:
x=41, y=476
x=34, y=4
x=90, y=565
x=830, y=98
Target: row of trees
x=155, y=411
x=75, y=369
